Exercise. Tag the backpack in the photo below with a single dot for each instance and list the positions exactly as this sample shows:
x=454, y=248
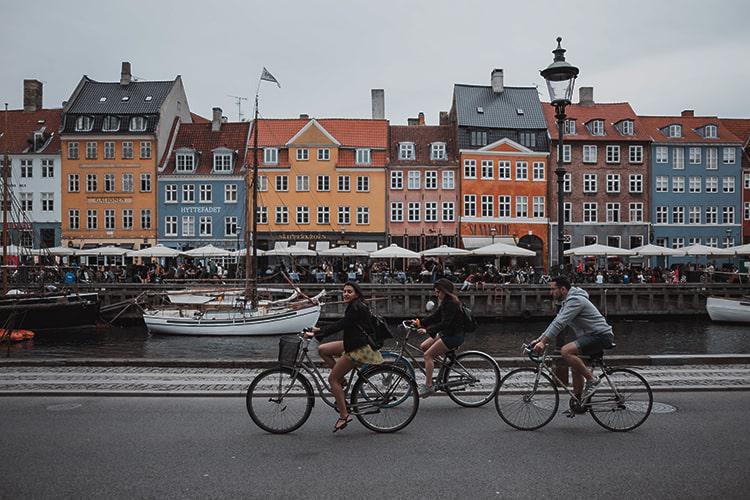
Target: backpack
x=470, y=324
x=378, y=332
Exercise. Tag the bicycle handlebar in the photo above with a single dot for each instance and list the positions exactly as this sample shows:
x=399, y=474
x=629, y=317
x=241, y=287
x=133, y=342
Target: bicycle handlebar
x=529, y=351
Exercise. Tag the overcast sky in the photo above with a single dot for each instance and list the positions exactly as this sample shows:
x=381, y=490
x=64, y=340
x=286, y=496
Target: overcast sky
x=661, y=56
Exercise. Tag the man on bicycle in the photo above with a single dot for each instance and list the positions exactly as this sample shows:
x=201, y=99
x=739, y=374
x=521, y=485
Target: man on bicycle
x=593, y=334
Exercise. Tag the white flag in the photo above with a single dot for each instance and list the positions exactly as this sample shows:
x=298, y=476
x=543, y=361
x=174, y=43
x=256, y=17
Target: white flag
x=267, y=76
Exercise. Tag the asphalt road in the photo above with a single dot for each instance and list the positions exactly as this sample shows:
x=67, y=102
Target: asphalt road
x=107, y=447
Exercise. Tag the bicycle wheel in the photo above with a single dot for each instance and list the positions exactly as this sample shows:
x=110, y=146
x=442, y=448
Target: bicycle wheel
x=384, y=398
x=471, y=380
x=622, y=401
x=279, y=401
x=527, y=399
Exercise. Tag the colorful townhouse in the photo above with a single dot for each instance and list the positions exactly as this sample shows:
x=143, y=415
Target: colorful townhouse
x=696, y=195
x=30, y=137
x=321, y=181
x=422, y=186
x=741, y=128
x=113, y=135
x=201, y=185
x=606, y=155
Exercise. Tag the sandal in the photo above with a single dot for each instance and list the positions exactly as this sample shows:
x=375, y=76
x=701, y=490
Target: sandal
x=344, y=422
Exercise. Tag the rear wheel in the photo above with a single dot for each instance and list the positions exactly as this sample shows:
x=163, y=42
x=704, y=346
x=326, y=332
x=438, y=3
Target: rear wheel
x=622, y=402
x=527, y=399
x=280, y=401
x=384, y=398
x=472, y=379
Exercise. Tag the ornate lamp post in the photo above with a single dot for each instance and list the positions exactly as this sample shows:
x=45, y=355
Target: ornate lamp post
x=561, y=77
x=493, y=232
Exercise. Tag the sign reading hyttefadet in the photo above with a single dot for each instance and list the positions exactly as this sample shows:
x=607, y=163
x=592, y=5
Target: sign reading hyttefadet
x=200, y=210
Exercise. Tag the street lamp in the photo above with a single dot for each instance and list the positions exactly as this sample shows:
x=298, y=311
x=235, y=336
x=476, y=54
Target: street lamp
x=493, y=231
x=561, y=77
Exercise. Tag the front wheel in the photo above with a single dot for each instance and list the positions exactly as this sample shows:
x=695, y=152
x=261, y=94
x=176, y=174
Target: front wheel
x=384, y=398
x=471, y=380
x=280, y=400
x=527, y=399
x=622, y=401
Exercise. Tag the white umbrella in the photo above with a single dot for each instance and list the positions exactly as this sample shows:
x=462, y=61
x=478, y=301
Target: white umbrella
x=208, y=251
x=740, y=249
x=55, y=251
x=698, y=250
x=16, y=250
x=344, y=251
x=110, y=250
x=598, y=250
x=444, y=251
x=292, y=250
x=243, y=252
x=155, y=251
x=503, y=249
x=655, y=251
x=394, y=252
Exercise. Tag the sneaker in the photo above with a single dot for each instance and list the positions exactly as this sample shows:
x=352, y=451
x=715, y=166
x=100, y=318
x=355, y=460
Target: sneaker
x=589, y=388
x=424, y=391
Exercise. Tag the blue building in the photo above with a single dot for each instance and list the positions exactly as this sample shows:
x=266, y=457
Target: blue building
x=202, y=194
x=696, y=190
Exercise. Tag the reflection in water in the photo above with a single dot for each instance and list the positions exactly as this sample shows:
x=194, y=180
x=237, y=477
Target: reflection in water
x=693, y=336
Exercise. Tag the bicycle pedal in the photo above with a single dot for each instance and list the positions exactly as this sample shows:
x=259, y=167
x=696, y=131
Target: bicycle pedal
x=569, y=413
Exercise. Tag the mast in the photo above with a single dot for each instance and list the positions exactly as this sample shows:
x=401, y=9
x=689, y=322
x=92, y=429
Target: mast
x=252, y=260
x=6, y=202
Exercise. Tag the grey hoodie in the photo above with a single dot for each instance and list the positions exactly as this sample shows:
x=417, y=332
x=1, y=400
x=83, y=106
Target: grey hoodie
x=580, y=314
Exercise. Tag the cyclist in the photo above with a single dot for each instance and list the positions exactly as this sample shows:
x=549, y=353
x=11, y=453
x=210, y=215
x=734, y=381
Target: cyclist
x=448, y=321
x=593, y=333
x=353, y=350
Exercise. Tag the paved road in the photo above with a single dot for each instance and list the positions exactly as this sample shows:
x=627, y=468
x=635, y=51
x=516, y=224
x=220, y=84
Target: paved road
x=94, y=447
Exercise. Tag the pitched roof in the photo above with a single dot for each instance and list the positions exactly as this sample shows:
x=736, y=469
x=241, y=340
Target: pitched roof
x=655, y=124
x=198, y=136
x=198, y=118
x=611, y=113
x=423, y=136
x=22, y=125
x=498, y=110
x=350, y=132
x=739, y=127
x=89, y=99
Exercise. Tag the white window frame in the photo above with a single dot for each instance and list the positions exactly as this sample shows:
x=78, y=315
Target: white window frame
x=413, y=211
x=430, y=211
x=302, y=183
x=438, y=151
x=470, y=169
x=397, y=180
x=487, y=169
x=230, y=193
x=695, y=155
x=589, y=153
x=712, y=158
x=635, y=212
x=448, y=211
x=678, y=158
x=613, y=183
x=406, y=151
x=363, y=184
x=504, y=206
x=413, y=180
x=431, y=179
x=170, y=193
x=343, y=183
x=590, y=182
x=636, y=183
x=613, y=153
x=662, y=154
x=363, y=216
x=270, y=156
x=170, y=225
x=397, y=211
x=222, y=162
x=363, y=156
x=712, y=184
x=538, y=169
x=613, y=212
x=695, y=184
x=323, y=183
x=522, y=207
x=205, y=226
x=728, y=156
x=678, y=184
x=470, y=205
x=282, y=183
x=590, y=212
x=302, y=215
x=324, y=154
x=522, y=170
x=188, y=226
x=303, y=154
x=449, y=179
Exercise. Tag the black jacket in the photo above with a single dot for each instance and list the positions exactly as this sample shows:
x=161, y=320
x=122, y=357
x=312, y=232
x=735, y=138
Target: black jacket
x=447, y=319
x=356, y=317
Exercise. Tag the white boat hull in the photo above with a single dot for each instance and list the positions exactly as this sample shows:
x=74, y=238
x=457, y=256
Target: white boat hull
x=732, y=310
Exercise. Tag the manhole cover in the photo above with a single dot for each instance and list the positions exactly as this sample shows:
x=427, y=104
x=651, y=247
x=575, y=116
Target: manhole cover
x=663, y=408
x=63, y=407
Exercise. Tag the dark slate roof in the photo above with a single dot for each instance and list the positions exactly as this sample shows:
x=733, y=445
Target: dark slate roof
x=69, y=125
x=500, y=110
x=88, y=100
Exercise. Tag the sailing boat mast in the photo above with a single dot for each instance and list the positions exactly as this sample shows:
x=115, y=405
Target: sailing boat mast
x=252, y=259
x=6, y=202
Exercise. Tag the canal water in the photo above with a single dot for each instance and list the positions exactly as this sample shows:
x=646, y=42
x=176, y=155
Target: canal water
x=693, y=336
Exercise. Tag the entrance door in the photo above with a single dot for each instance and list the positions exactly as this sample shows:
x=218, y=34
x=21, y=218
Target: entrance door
x=535, y=244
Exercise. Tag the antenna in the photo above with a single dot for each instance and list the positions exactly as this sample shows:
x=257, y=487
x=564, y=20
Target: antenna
x=238, y=101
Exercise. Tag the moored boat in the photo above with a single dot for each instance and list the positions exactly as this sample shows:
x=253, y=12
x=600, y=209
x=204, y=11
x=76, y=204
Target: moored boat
x=730, y=310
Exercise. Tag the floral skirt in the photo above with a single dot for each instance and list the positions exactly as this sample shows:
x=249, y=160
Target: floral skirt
x=365, y=355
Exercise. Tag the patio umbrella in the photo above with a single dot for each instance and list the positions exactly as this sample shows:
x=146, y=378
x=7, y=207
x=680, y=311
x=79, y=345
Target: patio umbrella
x=208, y=251
x=445, y=251
x=597, y=250
x=292, y=251
x=242, y=252
x=57, y=251
x=344, y=251
x=155, y=251
x=655, y=251
x=394, y=252
x=740, y=249
x=16, y=250
x=503, y=249
x=109, y=250
x=698, y=250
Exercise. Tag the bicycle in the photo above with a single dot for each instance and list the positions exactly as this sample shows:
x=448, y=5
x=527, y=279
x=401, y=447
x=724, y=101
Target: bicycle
x=469, y=378
x=527, y=398
x=279, y=400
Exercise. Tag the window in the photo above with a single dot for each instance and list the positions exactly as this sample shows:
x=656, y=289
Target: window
x=627, y=127
x=222, y=162
x=590, y=212
x=205, y=193
x=344, y=183
x=303, y=154
x=363, y=215
x=694, y=215
x=109, y=219
x=270, y=156
x=567, y=153
x=613, y=212
x=324, y=215
x=728, y=241
x=146, y=218
x=48, y=169
x=84, y=124
x=73, y=183
x=695, y=155
x=430, y=211
x=662, y=183
x=538, y=171
x=146, y=150
x=91, y=183
x=303, y=215
x=185, y=162
x=127, y=183
x=567, y=182
x=470, y=205
x=590, y=239
x=478, y=138
x=413, y=211
x=522, y=206
x=188, y=193
x=678, y=243
x=747, y=210
x=282, y=183
x=262, y=183
x=613, y=183
x=694, y=184
x=72, y=151
x=430, y=179
x=503, y=206
x=74, y=219
x=567, y=211
x=613, y=154
x=747, y=181
x=678, y=155
x=127, y=218
x=709, y=131
x=343, y=215
x=145, y=183
x=487, y=205
x=438, y=151
x=727, y=216
x=109, y=150
x=449, y=179
x=27, y=201
x=48, y=202
x=527, y=139
x=397, y=179
x=137, y=124
x=91, y=150
x=488, y=169
x=448, y=211
x=712, y=158
x=661, y=215
x=170, y=193
x=636, y=212
x=111, y=124
x=678, y=215
x=188, y=225
x=397, y=211
x=589, y=183
x=712, y=215
x=324, y=154
x=662, y=154
x=678, y=184
x=262, y=215
x=205, y=226
x=712, y=241
x=636, y=241
x=712, y=184
x=636, y=183
x=27, y=169
x=589, y=154
x=413, y=179
x=282, y=215
x=522, y=171
x=635, y=154
x=675, y=131
x=363, y=156
x=91, y=219
x=538, y=207
x=363, y=184
x=324, y=183
x=170, y=225
x=230, y=193
x=127, y=150
x=597, y=127
x=728, y=155
x=109, y=183
x=303, y=183
x=569, y=128
x=470, y=169
x=406, y=151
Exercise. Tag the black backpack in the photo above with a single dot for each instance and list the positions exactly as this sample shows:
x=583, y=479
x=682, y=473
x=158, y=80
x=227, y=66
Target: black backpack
x=378, y=332
x=470, y=324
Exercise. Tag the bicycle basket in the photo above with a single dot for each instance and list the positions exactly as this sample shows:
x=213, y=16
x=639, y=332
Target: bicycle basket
x=289, y=351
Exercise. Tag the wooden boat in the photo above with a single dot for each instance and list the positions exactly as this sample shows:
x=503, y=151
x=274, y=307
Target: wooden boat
x=49, y=312
x=730, y=310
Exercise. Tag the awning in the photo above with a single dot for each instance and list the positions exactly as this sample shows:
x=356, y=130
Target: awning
x=322, y=245
x=368, y=246
x=472, y=242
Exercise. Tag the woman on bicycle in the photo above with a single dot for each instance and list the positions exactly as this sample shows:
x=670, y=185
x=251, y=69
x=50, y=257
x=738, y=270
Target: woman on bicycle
x=448, y=321
x=353, y=350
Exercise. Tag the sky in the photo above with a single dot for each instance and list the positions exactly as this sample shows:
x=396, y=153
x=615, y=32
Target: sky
x=661, y=56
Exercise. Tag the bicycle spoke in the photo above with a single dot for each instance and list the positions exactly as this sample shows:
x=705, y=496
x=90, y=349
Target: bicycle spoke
x=385, y=407
x=526, y=399
x=623, y=400
x=471, y=379
x=279, y=401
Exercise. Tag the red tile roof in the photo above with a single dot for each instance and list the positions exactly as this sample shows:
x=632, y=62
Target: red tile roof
x=611, y=113
x=655, y=124
x=739, y=127
x=21, y=126
x=198, y=118
x=350, y=132
x=423, y=136
x=199, y=136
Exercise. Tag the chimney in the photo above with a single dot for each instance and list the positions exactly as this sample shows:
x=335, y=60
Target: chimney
x=444, y=118
x=378, y=104
x=497, y=81
x=421, y=118
x=685, y=112
x=586, y=96
x=32, y=95
x=125, y=76
x=412, y=122
x=304, y=116
x=216, y=121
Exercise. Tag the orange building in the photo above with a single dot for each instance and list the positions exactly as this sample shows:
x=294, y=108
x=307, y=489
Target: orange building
x=504, y=194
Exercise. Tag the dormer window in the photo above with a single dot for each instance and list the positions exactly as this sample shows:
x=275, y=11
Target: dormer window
x=597, y=127
x=710, y=132
x=185, y=161
x=626, y=127
x=270, y=156
x=111, y=124
x=406, y=151
x=362, y=156
x=222, y=161
x=569, y=127
x=137, y=124
x=675, y=131
x=84, y=124
x=437, y=151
